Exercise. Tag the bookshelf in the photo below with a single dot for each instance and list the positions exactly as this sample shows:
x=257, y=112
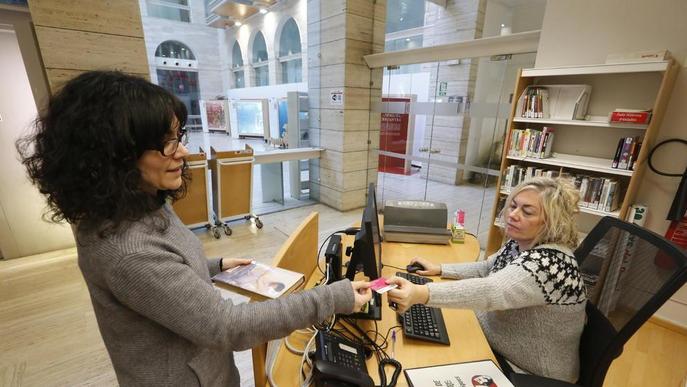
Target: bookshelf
x=587, y=147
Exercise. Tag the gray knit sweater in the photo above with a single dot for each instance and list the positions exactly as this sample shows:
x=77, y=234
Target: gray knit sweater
x=162, y=321
x=530, y=305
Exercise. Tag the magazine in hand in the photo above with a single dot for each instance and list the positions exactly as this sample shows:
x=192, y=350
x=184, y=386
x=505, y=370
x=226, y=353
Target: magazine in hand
x=257, y=279
x=474, y=373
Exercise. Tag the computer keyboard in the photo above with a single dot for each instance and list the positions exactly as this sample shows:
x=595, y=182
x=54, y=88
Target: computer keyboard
x=420, y=321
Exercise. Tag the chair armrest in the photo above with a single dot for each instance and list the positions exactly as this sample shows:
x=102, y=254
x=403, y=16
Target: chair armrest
x=524, y=380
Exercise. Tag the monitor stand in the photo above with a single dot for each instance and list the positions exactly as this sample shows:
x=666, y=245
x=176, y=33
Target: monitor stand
x=373, y=309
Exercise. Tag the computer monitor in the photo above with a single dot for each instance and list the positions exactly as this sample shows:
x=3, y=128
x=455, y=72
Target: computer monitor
x=366, y=255
x=367, y=247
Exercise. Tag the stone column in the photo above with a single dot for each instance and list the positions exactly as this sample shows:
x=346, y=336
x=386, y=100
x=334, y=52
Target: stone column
x=341, y=90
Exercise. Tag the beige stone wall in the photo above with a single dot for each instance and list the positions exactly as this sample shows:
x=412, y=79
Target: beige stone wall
x=77, y=36
x=340, y=33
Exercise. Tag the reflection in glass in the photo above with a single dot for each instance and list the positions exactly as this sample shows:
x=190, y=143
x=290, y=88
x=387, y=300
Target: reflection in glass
x=405, y=14
x=183, y=84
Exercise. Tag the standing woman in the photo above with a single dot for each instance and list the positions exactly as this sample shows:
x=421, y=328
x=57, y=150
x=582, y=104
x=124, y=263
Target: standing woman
x=529, y=295
x=108, y=153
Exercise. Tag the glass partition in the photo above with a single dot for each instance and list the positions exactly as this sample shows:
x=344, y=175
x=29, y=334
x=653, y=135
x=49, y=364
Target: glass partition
x=441, y=133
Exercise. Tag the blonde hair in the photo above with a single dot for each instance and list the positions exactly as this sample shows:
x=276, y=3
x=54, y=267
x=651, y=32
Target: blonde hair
x=559, y=201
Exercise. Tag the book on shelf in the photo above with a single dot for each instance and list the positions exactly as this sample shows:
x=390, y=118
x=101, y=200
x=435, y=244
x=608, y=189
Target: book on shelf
x=260, y=281
x=531, y=142
x=516, y=174
x=564, y=102
x=474, y=373
x=598, y=193
x=626, y=153
x=630, y=116
x=533, y=102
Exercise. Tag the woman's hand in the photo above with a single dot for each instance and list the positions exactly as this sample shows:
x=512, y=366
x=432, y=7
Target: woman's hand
x=230, y=263
x=430, y=268
x=362, y=293
x=407, y=294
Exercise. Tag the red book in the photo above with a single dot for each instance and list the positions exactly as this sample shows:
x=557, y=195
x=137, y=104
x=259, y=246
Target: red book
x=631, y=117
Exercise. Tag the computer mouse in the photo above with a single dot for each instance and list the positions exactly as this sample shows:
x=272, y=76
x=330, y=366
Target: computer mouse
x=413, y=267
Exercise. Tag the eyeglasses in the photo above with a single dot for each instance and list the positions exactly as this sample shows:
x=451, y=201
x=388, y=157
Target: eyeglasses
x=170, y=147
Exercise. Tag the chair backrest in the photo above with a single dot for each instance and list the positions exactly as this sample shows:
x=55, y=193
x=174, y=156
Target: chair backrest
x=629, y=273
x=299, y=252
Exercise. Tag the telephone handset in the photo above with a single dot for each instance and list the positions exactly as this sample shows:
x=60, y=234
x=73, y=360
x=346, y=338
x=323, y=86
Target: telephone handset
x=339, y=362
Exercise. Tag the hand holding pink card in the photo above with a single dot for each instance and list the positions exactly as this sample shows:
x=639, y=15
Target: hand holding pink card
x=381, y=286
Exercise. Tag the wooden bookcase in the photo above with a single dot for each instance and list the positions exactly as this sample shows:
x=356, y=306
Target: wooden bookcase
x=588, y=146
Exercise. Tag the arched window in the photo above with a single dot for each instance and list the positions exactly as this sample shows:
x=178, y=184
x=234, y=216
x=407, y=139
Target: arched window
x=176, y=72
x=290, y=57
x=175, y=50
x=237, y=66
x=259, y=61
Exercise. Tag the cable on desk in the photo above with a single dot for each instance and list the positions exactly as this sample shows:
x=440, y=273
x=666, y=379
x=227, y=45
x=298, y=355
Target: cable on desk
x=383, y=359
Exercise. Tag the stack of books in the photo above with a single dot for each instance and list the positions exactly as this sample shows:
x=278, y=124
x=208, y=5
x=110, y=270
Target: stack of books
x=626, y=153
x=531, y=143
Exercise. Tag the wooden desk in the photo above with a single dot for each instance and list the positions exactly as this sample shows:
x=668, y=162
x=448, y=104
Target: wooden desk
x=467, y=339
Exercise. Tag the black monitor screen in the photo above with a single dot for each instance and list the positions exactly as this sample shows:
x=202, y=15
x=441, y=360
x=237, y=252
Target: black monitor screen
x=367, y=249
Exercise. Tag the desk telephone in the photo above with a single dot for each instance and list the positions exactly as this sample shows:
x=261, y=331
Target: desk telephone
x=339, y=362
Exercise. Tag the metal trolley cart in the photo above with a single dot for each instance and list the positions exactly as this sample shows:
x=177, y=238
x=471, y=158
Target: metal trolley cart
x=232, y=186
x=194, y=208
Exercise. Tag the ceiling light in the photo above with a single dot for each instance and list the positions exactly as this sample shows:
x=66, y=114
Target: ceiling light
x=237, y=23
x=263, y=10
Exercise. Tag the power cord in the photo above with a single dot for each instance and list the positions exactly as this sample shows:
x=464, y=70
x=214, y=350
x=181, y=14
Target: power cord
x=383, y=359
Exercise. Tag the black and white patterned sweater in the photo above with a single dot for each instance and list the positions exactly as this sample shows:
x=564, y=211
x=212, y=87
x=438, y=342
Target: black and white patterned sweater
x=530, y=305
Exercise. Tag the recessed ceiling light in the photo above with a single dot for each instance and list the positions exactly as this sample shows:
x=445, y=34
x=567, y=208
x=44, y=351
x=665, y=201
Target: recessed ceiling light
x=263, y=10
x=238, y=23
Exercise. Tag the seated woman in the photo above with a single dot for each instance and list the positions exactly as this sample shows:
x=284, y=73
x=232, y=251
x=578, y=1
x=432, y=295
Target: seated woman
x=529, y=295
x=108, y=152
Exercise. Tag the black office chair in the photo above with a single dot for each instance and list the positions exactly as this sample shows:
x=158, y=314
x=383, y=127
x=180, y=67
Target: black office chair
x=629, y=273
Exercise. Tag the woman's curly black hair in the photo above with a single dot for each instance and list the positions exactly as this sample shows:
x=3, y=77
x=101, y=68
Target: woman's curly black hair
x=82, y=154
